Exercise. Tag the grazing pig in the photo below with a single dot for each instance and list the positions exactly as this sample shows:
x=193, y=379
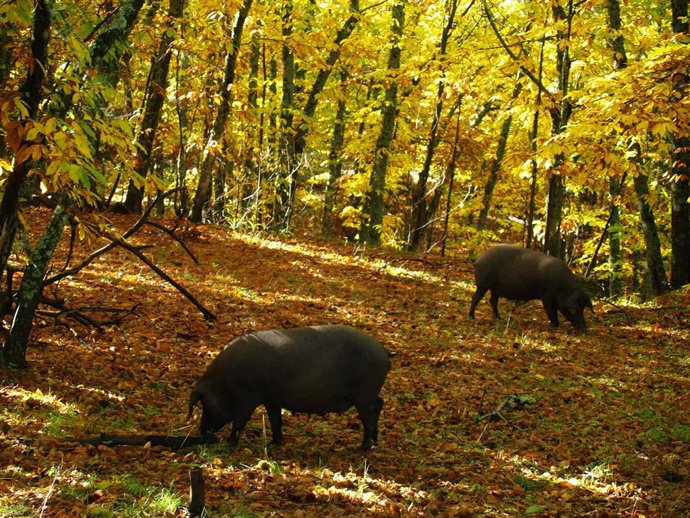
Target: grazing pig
x=314, y=370
x=518, y=273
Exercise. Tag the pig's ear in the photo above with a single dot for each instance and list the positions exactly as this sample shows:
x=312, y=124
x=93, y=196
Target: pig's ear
x=193, y=400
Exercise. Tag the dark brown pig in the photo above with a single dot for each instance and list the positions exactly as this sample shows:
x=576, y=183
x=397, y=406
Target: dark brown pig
x=314, y=370
x=518, y=273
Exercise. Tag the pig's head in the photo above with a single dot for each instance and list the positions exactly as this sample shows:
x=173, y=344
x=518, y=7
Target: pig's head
x=573, y=308
x=214, y=414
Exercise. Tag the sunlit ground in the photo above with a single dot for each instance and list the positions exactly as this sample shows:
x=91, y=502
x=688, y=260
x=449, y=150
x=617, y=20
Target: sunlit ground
x=602, y=427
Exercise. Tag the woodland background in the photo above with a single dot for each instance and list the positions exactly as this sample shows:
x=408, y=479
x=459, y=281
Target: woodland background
x=302, y=136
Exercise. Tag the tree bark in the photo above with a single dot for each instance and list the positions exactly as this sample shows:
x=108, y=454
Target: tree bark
x=374, y=206
x=680, y=215
x=31, y=98
x=655, y=262
x=554, y=209
x=497, y=161
x=154, y=99
x=31, y=288
x=680, y=172
x=335, y=164
x=213, y=145
x=420, y=212
x=450, y=174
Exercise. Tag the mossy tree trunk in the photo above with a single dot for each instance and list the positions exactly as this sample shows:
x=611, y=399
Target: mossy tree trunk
x=374, y=206
x=14, y=351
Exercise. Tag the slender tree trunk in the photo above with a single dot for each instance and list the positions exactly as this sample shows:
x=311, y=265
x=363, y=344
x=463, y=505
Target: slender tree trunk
x=374, y=207
x=31, y=98
x=182, y=193
x=420, y=212
x=203, y=189
x=31, y=287
x=534, y=133
x=335, y=164
x=497, y=161
x=450, y=174
x=560, y=116
x=620, y=61
x=287, y=113
x=655, y=263
x=154, y=99
x=615, y=247
x=680, y=215
x=680, y=170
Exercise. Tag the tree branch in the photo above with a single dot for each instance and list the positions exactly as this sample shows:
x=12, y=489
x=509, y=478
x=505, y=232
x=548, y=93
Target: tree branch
x=512, y=54
x=120, y=242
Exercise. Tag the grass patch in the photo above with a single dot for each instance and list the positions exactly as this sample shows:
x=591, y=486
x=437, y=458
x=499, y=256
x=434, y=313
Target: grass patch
x=139, y=501
x=15, y=511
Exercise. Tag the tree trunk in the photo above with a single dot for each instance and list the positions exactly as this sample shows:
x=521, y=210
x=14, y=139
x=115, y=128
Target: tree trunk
x=335, y=164
x=497, y=161
x=450, y=174
x=615, y=248
x=181, y=194
x=31, y=98
x=655, y=263
x=31, y=288
x=680, y=171
x=286, y=146
x=301, y=125
x=680, y=215
x=620, y=61
x=154, y=99
x=420, y=212
x=203, y=189
x=560, y=116
x=374, y=207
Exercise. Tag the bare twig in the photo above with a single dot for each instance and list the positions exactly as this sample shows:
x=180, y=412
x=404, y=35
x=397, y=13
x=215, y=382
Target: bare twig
x=172, y=234
x=169, y=441
x=106, y=248
x=207, y=314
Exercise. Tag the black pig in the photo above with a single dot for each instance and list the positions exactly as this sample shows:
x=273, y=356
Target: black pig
x=314, y=370
x=518, y=273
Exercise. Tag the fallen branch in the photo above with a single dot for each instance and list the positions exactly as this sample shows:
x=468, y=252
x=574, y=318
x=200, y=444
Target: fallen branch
x=79, y=314
x=207, y=314
x=628, y=318
x=175, y=442
x=172, y=234
x=106, y=248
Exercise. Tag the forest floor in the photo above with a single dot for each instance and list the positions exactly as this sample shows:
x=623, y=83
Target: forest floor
x=602, y=427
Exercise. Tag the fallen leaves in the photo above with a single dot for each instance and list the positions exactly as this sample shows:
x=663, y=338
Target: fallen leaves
x=605, y=433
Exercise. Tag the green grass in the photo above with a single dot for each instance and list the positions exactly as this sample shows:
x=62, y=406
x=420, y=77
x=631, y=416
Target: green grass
x=139, y=500
x=15, y=511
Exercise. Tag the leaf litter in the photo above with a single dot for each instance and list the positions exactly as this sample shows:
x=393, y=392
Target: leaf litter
x=604, y=431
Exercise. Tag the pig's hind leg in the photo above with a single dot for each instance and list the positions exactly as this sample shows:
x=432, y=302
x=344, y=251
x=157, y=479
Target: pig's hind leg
x=369, y=415
x=478, y=294
x=276, y=420
x=494, y=303
x=551, y=309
